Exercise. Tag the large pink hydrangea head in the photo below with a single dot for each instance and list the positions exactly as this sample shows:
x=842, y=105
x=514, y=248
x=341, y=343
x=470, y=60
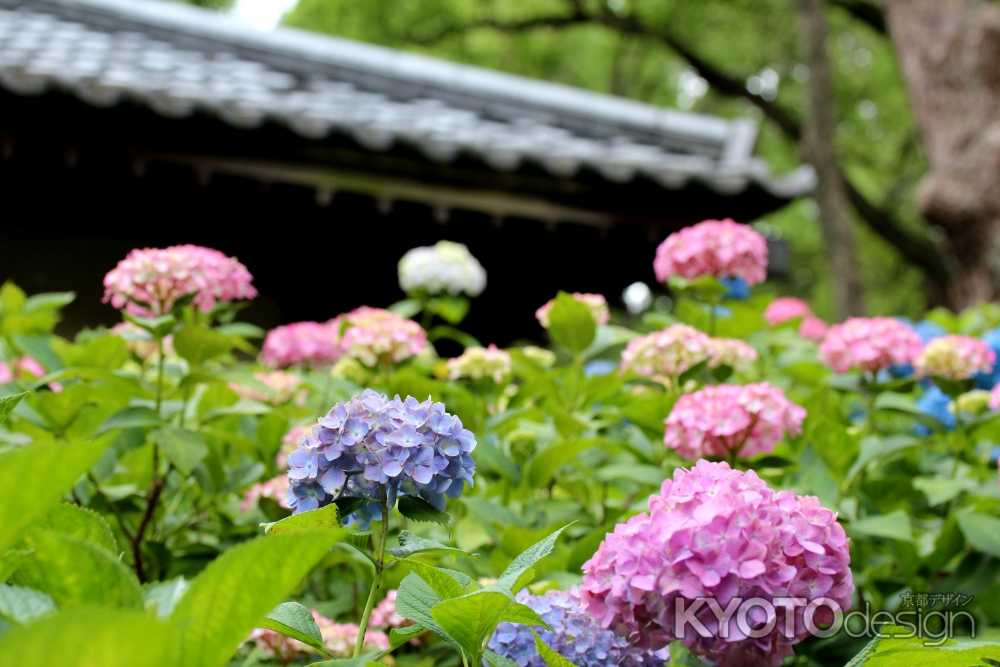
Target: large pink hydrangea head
x=717, y=248
x=596, y=303
x=731, y=352
x=727, y=419
x=813, y=328
x=869, y=344
x=665, y=355
x=301, y=344
x=150, y=281
x=375, y=336
x=955, y=358
x=721, y=536
x=478, y=363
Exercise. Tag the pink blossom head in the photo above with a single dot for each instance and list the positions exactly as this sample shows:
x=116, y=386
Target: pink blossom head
x=717, y=248
x=6, y=374
x=715, y=532
x=150, y=281
x=276, y=489
x=955, y=358
x=813, y=328
x=339, y=639
x=665, y=355
x=727, y=419
x=869, y=344
x=374, y=336
x=786, y=308
x=995, y=400
x=731, y=352
x=385, y=616
x=301, y=344
x=597, y=304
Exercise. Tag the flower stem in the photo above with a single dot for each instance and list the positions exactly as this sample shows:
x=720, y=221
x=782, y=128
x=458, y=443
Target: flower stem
x=376, y=580
x=156, y=484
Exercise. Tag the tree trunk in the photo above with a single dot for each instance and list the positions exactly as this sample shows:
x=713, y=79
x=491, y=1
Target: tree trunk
x=820, y=151
x=950, y=55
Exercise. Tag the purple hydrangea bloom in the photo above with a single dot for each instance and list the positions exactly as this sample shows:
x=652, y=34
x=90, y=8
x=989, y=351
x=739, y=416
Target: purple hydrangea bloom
x=574, y=635
x=369, y=443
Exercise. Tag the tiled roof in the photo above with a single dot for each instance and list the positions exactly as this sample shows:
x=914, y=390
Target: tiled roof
x=178, y=60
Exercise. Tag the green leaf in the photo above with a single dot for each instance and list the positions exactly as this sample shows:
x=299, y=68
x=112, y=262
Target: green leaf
x=234, y=593
x=451, y=309
x=418, y=509
x=81, y=523
x=400, y=636
x=414, y=600
x=162, y=597
x=39, y=348
x=198, y=343
x=324, y=518
x=940, y=490
x=571, y=324
x=551, y=658
x=407, y=307
x=77, y=573
x=528, y=558
x=22, y=605
x=184, y=448
x=131, y=417
x=894, y=526
x=472, y=618
x=8, y=403
x=410, y=544
x=441, y=581
x=88, y=637
x=496, y=660
x=48, y=301
x=907, y=651
x=160, y=327
x=26, y=495
x=544, y=465
x=296, y=621
x=631, y=472
x=981, y=531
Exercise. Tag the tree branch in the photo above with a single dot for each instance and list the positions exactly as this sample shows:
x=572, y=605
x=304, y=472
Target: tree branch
x=865, y=12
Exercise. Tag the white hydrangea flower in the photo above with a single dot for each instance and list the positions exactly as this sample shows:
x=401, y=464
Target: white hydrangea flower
x=445, y=267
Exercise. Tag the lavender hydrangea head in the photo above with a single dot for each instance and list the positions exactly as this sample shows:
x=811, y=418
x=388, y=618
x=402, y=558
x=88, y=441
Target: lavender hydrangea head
x=715, y=532
x=574, y=635
x=372, y=445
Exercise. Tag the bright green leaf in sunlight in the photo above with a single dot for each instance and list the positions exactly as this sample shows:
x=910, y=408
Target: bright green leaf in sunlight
x=571, y=324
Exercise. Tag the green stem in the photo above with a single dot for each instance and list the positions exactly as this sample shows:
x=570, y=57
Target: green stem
x=712, y=305
x=159, y=373
x=376, y=580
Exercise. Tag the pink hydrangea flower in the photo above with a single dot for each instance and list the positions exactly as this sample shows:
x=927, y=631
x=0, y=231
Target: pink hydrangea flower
x=477, y=363
x=276, y=489
x=727, y=419
x=789, y=308
x=301, y=343
x=995, y=401
x=717, y=248
x=869, y=344
x=339, y=639
x=715, y=532
x=25, y=368
x=6, y=374
x=955, y=358
x=374, y=336
x=281, y=387
x=149, y=281
x=597, y=304
x=665, y=355
x=731, y=352
x=384, y=615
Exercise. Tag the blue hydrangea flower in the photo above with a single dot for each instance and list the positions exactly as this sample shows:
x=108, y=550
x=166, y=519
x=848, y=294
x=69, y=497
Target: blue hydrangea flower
x=574, y=635
x=736, y=288
x=935, y=402
x=987, y=380
x=371, y=443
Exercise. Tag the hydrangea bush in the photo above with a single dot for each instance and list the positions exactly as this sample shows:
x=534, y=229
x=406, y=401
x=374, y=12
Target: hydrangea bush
x=571, y=497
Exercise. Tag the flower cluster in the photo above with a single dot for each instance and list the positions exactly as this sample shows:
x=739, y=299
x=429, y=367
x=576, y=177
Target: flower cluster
x=301, y=343
x=385, y=616
x=789, y=308
x=720, y=248
x=731, y=352
x=443, y=268
x=289, y=443
x=277, y=387
x=719, y=533
x=374, y=336
x=728, y=419
x=573, y=634
x=477, y=363
x=596, y=303
x=339, y=639
x=995, y=398
x=371, y=445
x=955, y=358
x=149, y=281
x=869, y=344
x=276, y=489
x=665, y=355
